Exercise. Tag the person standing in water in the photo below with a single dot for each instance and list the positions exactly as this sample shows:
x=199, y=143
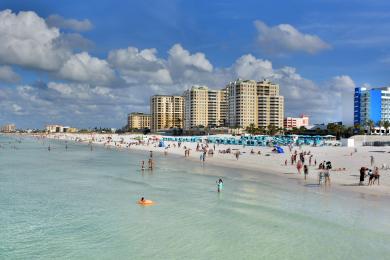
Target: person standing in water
x=219, y=185
x=305, y=171
x=150, y=164
x=142, y=165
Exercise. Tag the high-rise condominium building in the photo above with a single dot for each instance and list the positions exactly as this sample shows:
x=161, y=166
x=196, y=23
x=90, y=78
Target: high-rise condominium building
x=167, y=112
x=204, y=107
x=242, y=103
x=257, y=103
x=371, y=104
x=138, y=120
x=9, y=128
x=270, y=104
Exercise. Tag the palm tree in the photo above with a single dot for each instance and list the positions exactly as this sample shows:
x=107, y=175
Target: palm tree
x=272, y=130
x=262, y=130
x=380, y=124
x=251, y=129
x=386, y=125
x=371, y=124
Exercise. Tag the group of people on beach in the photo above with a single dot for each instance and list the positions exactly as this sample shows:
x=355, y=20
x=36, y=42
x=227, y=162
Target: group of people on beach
x=299, y=160
x=373, y=176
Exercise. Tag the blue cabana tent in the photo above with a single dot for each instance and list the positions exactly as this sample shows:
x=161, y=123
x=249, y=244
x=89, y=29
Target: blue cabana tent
x=279, y=149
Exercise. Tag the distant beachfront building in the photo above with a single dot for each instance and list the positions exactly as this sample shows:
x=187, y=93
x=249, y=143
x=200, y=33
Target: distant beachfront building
x=296, y=122
x=242, y=103
x=167, y=112
x=270, y=104
x=257, y=103
x=60, y=129
x=371, y=104
x=138, y=120
x=204, y=107
x=9, y=128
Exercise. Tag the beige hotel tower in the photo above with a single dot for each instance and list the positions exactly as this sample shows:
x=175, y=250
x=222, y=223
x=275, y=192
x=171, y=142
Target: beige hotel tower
x=167, y=112
x=257, y=103
x=204, y=107
x=138, y=120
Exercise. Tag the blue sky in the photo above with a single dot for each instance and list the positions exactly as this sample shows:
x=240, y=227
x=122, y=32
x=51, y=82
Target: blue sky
x=103, y=59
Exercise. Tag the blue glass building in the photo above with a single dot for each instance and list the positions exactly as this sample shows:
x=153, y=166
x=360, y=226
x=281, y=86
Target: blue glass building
x=371, y=104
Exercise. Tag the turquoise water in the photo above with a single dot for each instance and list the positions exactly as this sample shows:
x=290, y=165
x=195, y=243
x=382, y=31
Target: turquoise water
x=81, y=204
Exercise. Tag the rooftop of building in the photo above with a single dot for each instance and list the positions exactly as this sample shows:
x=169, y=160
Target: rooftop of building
x=138, y=113
x=379, y=88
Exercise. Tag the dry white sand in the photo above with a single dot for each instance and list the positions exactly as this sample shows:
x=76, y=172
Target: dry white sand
x=269, y=162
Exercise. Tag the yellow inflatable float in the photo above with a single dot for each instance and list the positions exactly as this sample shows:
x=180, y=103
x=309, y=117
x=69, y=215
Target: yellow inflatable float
x=145, y=202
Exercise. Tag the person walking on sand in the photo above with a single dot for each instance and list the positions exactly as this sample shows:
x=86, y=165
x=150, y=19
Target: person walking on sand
x=362, y=175
x=305, y=171
x=370, y=177
x=376, y=175
x=372, y=160
x=299, y=166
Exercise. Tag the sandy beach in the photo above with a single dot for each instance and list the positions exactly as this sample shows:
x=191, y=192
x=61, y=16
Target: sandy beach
x=346, y=162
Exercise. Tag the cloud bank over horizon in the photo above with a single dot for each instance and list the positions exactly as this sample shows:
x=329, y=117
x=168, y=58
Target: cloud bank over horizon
x=77, y=88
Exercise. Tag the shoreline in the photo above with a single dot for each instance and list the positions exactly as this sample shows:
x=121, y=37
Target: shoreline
x=267, y=163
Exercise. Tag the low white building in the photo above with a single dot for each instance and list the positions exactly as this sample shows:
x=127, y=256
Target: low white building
x=59, y=129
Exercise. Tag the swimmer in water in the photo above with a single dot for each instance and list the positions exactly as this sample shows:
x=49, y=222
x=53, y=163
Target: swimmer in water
x=219, y=185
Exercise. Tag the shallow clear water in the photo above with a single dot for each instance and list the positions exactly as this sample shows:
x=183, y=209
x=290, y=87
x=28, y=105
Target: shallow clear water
x=81, y=204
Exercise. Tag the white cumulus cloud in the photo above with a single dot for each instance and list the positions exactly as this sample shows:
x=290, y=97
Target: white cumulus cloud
x=138, y=66
x=284, y=38
x=85, y=68
x=182, y=58
x=26, y=40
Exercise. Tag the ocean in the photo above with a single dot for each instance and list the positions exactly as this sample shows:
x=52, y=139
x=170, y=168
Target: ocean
x=79, y=203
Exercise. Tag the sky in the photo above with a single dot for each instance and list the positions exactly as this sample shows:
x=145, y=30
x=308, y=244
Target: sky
x=90, y=63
